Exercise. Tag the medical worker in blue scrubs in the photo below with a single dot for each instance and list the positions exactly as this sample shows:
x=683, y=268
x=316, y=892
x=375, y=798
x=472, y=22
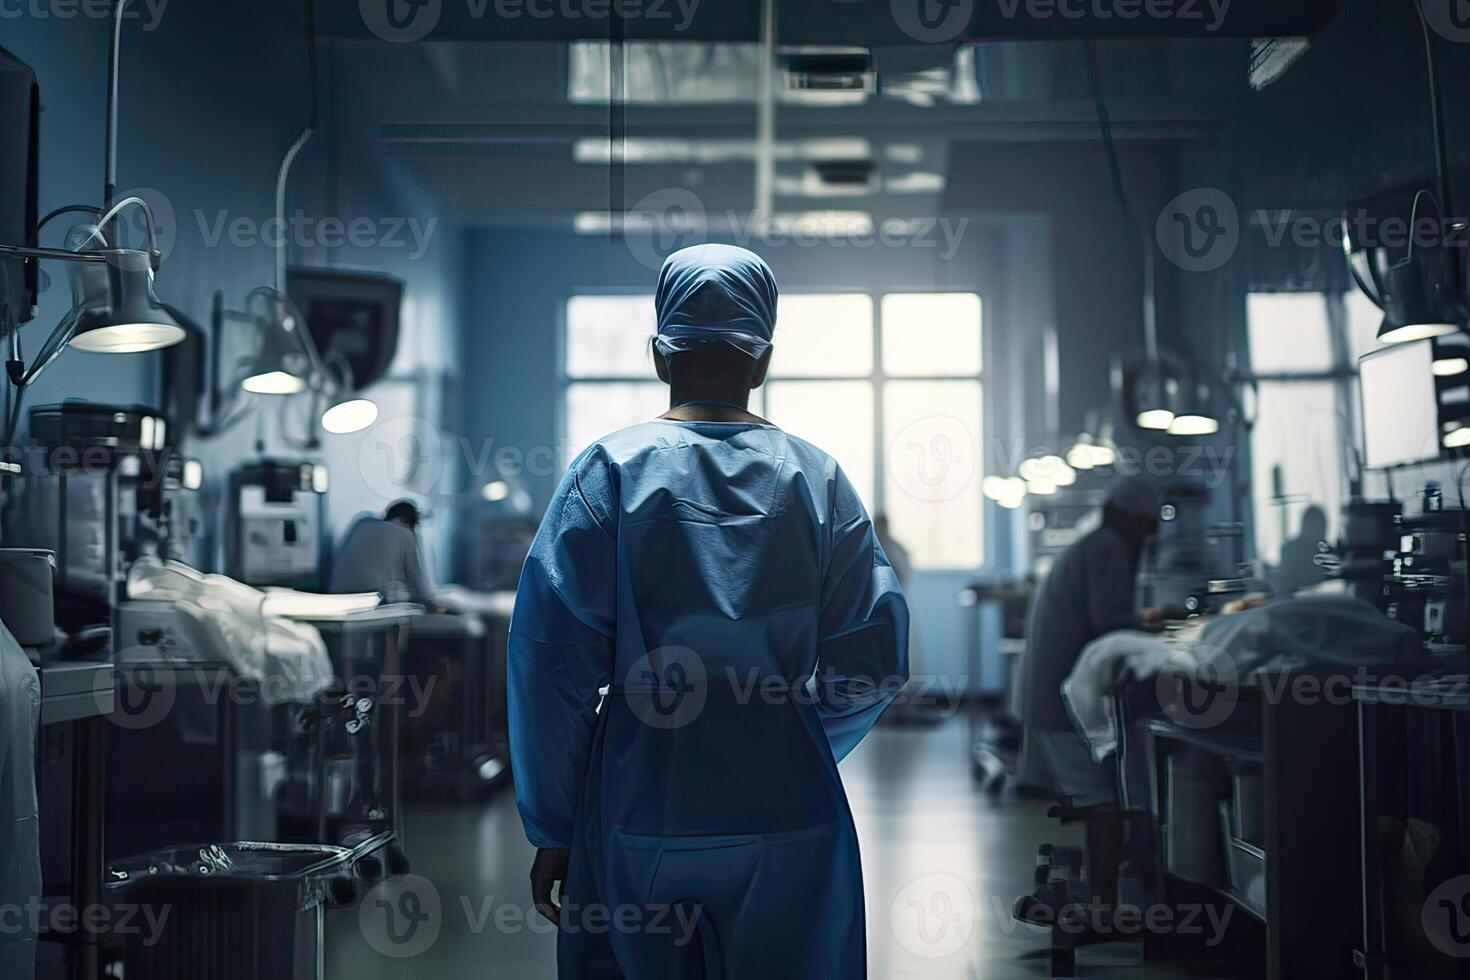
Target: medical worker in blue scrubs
x=705, y=626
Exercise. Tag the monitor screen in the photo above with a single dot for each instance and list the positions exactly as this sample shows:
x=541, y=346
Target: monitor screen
x=20, y=105
x=1400, y=405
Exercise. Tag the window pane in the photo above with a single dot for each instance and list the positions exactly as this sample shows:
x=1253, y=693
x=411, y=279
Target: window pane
x=1363, y=319
x=933, y=472
x=607, y=336
x=1288, y=332
x=836, y=416
x=1296, y=462
x=934, y=334
x=823, y=336
x=594, y=409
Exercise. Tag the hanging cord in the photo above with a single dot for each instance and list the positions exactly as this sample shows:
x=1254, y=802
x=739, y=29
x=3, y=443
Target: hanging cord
x=289, y=160
x=1436, y=109
x=1120, y=193
x=114, y=49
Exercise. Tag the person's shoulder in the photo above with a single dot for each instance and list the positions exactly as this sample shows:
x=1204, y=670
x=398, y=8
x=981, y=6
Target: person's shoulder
x=814, y=458
x=628, y=441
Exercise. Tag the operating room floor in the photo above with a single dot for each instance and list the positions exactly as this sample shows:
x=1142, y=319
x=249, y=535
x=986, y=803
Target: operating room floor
x=932, y=843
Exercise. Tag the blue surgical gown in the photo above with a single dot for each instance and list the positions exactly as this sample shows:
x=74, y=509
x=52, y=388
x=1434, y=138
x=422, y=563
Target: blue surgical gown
x=704, y=627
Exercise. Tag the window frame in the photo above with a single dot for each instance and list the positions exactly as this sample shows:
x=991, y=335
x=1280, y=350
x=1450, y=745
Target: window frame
x=876, y=377
x=1341, y=376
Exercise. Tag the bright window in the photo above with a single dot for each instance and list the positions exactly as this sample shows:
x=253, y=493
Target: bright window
x=934, y=334
x=1302, y=352
x=1289, y=332
x=904, y=426
x=607, y=336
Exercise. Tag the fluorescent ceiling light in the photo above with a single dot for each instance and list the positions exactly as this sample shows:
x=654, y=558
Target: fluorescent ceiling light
x=914, y=182
x=824, y=224
x=599, y=150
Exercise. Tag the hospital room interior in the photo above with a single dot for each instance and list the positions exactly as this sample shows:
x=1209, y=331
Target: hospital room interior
x=748, y=489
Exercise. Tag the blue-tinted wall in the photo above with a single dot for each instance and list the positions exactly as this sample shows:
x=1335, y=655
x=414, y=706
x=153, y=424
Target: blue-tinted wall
x=520, y=281
x=212, y=95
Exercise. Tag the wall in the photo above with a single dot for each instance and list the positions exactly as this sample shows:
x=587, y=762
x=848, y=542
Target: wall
x=522, y=279
x=1349, y=120
x=211, y=98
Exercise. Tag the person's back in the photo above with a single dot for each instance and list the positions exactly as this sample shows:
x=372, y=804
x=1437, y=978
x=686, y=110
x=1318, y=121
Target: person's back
x=714, y=675
x=705, y=626
x=1090, y=591
x=382, y=556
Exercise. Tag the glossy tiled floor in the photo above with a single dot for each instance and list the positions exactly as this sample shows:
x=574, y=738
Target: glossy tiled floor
x=942, y=863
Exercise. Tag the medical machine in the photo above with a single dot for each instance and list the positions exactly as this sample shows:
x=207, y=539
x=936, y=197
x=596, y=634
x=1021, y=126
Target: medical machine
x=80, y=496
x=276, y=526
x=1427, y=584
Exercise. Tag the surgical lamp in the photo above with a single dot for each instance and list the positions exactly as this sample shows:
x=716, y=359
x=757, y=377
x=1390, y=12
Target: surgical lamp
x=281, y=366
x=114, y=308
x=1155, y=392
x=1451, y=355
x=1192, y=416
x=349, y=412
x=1152, y=387
x=287, y=362
x=1416, y=303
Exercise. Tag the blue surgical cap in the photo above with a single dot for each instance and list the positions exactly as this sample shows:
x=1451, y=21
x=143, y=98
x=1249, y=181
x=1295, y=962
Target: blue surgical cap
x=1135, y=495
x=715, y=293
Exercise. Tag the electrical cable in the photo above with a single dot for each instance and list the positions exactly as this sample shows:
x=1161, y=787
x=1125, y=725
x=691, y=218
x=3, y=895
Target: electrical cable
x=65, y=209
x=1105, y=123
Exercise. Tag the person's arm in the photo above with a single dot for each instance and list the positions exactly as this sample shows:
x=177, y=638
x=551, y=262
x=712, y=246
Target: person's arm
x=560, y=654
x=416, y=576
x=862, y=650
x=1112, y=589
